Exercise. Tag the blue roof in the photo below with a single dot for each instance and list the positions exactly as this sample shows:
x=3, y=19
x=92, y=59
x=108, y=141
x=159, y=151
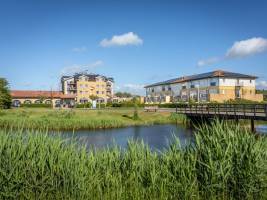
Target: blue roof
x=217, y=73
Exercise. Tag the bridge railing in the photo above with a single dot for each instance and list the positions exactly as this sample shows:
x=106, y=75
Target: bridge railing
x=224, y=109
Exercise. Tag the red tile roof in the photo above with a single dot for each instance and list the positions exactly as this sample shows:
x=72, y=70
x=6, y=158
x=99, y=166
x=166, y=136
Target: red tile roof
x=40, y=93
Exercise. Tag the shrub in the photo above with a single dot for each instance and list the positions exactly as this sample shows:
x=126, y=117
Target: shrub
x=85, y=105
x=36, y=105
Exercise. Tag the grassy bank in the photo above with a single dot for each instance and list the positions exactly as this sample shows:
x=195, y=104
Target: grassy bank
x=226, y=163
x=42, y=118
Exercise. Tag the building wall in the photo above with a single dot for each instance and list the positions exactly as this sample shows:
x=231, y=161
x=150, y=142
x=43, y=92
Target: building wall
x=84, y=88
x=34, y=100
x=209, y=89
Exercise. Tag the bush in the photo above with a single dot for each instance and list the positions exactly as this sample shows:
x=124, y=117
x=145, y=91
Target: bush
x=35, y=105
x=85, y=105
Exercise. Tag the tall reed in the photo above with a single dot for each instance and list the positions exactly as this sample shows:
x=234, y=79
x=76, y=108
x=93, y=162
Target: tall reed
x=226, y=162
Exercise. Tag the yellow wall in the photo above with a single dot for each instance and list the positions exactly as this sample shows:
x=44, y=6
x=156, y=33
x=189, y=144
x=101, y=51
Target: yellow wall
x=87, y=88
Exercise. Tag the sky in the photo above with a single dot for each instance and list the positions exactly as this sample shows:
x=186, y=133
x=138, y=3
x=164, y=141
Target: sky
x=135, y=42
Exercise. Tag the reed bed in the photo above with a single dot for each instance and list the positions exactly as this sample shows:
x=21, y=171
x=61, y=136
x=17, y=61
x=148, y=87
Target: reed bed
x=226, y=162
x=81, y=119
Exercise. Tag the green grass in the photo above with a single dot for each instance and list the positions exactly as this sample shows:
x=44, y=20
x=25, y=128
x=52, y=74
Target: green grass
x=227, y=162
x=42, y=118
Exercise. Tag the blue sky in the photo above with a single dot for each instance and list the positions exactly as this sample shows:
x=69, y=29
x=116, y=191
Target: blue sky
x=136, y=42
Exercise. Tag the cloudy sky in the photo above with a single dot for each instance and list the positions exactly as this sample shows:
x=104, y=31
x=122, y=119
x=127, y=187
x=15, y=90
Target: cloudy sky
x=136, y=42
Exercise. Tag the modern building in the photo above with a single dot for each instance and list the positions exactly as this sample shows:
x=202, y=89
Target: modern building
x=57, y=98
x=84, y=86
x=216, y=86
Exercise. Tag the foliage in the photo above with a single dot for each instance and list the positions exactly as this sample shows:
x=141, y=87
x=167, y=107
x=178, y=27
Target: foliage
x=123, y=94
x=225, y=163
x=93, y=97
x=5, y=97
x=135, y=114
x=60, y=119
x=84, y=105
x=241, y=101
x=35, y=105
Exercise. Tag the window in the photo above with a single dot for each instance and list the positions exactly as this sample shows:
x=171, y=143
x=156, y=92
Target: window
x=97, y=92
x=152, y=89
x=213, y=91
x=213, y=84
x=169, y=88
x=103, y=92
x=37, y=101
x=192, y=86
x=250, y=81
x=81, y=92
x=184, y=87
x=27, y=102
x=48, y=101
x=163, y=88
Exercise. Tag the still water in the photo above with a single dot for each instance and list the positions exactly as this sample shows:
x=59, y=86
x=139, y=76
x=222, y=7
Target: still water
x=158, y=137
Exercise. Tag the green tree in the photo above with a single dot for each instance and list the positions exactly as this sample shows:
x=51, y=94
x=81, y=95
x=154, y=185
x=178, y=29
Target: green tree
x=123, y=94
x=5, y=97
x=93, y=97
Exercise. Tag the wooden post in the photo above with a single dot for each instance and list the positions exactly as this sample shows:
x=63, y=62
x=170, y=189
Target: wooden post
x=252, y=125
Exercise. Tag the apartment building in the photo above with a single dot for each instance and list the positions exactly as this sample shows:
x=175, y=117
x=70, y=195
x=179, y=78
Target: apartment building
x=84, y=86
x=216, y=86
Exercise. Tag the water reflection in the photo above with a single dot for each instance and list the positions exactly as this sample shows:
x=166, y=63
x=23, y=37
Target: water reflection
x=158, y=137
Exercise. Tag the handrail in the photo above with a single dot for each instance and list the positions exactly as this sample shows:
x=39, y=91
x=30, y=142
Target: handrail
x=226, y=109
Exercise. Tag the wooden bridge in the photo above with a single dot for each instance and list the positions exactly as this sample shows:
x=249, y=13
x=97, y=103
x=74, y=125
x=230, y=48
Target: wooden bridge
x=198, y=112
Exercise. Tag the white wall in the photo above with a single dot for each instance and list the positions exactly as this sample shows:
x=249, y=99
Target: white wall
x=234, y=82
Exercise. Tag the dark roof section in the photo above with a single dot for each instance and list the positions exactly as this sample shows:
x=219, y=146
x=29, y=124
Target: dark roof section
x=91, y=77
x=217, y=73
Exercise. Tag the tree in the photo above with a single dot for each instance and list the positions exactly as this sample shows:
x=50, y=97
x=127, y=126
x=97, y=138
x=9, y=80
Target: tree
x=123, y=94
x=5, y=97
x=93, y=97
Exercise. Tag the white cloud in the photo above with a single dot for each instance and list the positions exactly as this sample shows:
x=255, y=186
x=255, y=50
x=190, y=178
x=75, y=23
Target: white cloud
x=69, y=70
x=261, y=84
x=239, y=49
x=122, y=40
x=246, y=48
x=132, y=88
x=79, y=49
x=208, y=61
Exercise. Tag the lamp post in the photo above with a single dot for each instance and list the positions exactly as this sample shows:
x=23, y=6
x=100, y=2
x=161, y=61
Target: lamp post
x=197, y=93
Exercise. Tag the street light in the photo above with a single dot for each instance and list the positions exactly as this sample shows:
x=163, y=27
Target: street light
x=197, y=93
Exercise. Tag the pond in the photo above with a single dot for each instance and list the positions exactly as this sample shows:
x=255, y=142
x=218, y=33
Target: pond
x=158, y=137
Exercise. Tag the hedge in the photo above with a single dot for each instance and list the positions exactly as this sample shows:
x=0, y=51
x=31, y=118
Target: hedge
x=35, y=105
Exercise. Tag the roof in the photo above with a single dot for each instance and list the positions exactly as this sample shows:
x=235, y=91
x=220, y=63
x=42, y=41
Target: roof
x=40, y=93
x=217, y=73
x=91, y=77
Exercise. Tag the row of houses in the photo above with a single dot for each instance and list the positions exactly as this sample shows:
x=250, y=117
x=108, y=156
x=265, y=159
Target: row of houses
x=81, y=88
x=216, y=86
